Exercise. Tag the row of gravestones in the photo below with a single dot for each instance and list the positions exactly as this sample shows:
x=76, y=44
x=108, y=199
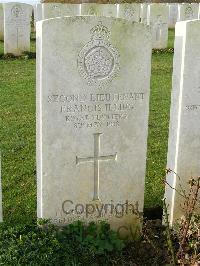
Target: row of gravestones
x=170, y=13
x=15, y=19
x=93, y=85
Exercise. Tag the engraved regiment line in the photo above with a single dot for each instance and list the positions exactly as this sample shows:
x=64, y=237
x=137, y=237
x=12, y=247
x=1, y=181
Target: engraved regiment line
x=96, y=160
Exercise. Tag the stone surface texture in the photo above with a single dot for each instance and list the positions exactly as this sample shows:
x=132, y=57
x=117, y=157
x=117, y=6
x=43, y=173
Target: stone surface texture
x=184, y=134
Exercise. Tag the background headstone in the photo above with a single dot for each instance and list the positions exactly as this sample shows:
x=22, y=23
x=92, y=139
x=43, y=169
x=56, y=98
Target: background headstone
x=129, y=12
x=143, y=13
x=187, y=11
x=199, y=12
x=195, y=7
x=52, y=10
x=93, y=9
x=1, y=22
x=173, y=13
x=37, y=13
x=34, y=15
x=17, y=28
x=157, y=19
x=184, y=134
x=93, y=81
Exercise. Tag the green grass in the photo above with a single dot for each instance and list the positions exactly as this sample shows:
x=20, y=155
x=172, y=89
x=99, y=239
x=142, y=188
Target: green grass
x=161, y=82
x=171, y=38
x=17, y=133
x=1, y=47
x=158, y=127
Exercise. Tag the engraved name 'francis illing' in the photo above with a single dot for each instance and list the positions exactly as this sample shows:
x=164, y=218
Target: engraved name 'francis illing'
x=98, y=61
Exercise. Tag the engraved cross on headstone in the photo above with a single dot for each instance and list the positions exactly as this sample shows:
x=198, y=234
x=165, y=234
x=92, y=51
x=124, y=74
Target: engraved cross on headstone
x=96, y=160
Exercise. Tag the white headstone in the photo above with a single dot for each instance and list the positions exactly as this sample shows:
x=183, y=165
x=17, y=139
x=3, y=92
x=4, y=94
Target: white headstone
x=37, y=13
x=53, y=10
x=109, y=10
x=173, y=13
x=157, y=19
x=187, y=11
x=92, y=9
x=17, y=28
x=195, y=7
x=1, y=22
x=129, y=12
x=34, y=15
x=184, y=134
x=199, y=12
x=93, y=80
x=143, y=13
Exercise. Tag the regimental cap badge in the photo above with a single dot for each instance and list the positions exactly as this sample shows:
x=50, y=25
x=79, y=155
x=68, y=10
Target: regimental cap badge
x=100, y=32
x=16, y=11
x=98, y=60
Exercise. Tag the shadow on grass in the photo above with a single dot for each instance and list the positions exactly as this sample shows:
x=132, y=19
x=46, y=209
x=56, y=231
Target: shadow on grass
x=26, y=55
x=163, y=51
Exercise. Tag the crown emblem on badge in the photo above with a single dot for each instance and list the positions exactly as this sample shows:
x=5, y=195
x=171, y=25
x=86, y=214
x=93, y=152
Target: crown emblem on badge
x=100, y=32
